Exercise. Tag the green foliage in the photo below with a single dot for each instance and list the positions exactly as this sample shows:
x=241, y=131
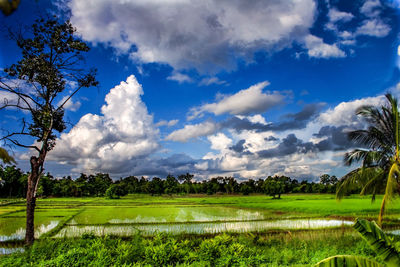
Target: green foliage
x=164, y=250
x=51, y=56
x=5, y=157
x=348, y=261
x=273, y=187
x=115, y=191
x=380, y=159
x=378, y=241
x=12, y=182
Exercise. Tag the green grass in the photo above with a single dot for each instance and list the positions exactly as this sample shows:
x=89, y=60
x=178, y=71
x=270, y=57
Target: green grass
x=134, y=209
x=272, y=247
x=282, y=249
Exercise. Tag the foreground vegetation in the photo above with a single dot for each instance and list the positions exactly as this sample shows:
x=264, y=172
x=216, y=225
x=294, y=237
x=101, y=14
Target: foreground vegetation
x=273, y=249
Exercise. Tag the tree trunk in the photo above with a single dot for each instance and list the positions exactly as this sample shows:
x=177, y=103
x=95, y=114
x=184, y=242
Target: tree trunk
x=33, y=180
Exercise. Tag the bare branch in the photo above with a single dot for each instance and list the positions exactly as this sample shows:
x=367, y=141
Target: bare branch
x=69, y=97
x=17, y=143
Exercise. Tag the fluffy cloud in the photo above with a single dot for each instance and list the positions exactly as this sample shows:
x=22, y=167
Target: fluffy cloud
x=369, y=22
x=374, y=27
x=256, y=123
x=244, y=102
x=180, y=78
x=220, y=141
x=211, y=80
x=336, y=15
x=318, y=49
x=253, y=148
x=193, y=131
x=344, y=113
x=187, y=34
x=371, y=8
x=166, y=123
x=114, y=141
x=70, y=105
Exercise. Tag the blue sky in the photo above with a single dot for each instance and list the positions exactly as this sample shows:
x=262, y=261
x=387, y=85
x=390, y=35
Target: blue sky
x=241, y=88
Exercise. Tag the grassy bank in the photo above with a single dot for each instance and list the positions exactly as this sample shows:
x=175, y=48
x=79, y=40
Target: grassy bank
x=299, y=248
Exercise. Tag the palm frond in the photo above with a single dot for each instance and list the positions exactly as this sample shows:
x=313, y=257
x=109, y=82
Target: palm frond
x=391, y=189
x=348, y=260
x=378, y=241
x=5, y=157
x=360, y=177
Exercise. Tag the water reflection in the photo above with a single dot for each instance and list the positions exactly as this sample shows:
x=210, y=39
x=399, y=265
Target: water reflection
x=200, y=228
x=4, y=251
x=20, y=233
x=117, y=215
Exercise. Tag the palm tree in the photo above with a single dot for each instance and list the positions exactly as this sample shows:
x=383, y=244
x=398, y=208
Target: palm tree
x=379, y=171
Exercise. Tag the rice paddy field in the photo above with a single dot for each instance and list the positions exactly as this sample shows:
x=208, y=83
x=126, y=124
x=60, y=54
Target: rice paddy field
x=310, y=218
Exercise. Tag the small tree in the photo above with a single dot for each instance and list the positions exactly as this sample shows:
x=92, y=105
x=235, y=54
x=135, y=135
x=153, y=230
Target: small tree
x=170, y=185
x=51, y=58
x=325, y=179
x=273, y=188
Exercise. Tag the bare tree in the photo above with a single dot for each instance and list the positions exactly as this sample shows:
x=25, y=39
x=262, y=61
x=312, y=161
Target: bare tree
x=35, y=85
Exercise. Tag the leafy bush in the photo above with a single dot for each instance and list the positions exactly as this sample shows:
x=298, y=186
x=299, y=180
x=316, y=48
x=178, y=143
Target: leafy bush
x=301, y=249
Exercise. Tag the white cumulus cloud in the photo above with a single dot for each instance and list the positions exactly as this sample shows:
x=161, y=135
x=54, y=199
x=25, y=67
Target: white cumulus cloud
x=193, y=131
x=336, y=15
x=244, y=102
x=193, y=34
x=112, y=141
x=344, y=113
x=374, y=27
x=179, y=77
x=166, y=123
x=70, y=104
x=318, y=49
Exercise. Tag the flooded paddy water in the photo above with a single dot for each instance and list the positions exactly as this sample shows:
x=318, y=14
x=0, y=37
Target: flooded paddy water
x=200, y=228
x=126, y=220
x=64, y=217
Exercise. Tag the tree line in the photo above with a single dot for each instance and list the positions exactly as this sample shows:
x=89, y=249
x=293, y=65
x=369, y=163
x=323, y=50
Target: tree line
x=13, y=183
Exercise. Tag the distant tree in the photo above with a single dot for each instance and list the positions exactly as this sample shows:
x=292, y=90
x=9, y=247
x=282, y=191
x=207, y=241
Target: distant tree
x=245, y=189
x=333, y=180
x=99, y=183
x=231, y=185
x=12, y=179
x=274, y=188
x=187, y=181
x=51, y=58
x=132, y=184
x=155, y=186
x=115, y=191
x=325, y=179
x=46, y=185
x=170, y=185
